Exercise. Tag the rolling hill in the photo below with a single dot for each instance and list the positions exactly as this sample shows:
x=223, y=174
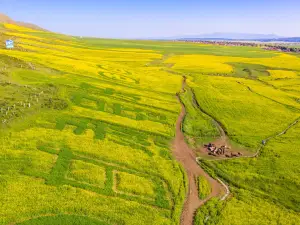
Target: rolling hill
x=5, y=19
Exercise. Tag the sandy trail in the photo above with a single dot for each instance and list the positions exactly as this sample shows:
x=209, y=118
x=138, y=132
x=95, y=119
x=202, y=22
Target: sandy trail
x=186, y=156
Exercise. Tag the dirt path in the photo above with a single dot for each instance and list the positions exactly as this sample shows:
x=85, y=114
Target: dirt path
x=186, y=156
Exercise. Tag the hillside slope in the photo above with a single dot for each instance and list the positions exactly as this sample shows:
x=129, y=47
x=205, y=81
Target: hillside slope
x=5, y=19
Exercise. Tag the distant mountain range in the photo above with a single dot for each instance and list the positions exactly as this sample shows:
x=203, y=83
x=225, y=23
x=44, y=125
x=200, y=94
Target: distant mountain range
x=235, y=37
x=6, y=19
x=291, y=39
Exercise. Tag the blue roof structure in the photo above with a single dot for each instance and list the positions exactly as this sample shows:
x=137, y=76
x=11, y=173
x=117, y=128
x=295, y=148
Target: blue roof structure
x=9, y=44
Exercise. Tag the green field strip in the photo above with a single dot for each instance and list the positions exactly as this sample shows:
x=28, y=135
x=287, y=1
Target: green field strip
x=35, y=174
x=160, y=199
x=60, y=168
x=179, y=196
x=204, y=188
x=109, y=183
x=76, y=121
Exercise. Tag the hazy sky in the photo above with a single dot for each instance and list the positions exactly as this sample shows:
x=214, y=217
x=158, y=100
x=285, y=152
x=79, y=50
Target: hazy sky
x=158, y=18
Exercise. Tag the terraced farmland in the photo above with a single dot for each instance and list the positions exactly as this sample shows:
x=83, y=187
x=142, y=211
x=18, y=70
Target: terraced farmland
x=88, y=128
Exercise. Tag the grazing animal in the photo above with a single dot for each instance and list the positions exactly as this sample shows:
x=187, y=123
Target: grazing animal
x=234, y=154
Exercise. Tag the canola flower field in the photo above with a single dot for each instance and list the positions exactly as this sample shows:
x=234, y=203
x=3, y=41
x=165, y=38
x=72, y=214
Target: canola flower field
x=86, y=130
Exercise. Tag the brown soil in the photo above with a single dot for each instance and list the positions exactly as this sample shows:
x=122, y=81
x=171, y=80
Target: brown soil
x=223, y=140
x=186, y=156
x=6, y=19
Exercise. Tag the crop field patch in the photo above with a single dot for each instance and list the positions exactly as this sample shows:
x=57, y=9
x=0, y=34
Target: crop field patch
x=87, y=173
x=249, y=70
x=204, y=188
x=126, y=183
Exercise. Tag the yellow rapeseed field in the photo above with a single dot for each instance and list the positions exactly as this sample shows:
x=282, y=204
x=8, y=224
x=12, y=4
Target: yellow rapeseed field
x=87, y=128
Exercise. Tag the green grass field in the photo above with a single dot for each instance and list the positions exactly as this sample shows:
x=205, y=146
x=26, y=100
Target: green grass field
x=86, y=127
x=203, y=187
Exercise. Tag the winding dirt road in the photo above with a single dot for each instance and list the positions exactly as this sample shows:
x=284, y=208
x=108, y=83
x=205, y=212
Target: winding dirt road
x=186, y=156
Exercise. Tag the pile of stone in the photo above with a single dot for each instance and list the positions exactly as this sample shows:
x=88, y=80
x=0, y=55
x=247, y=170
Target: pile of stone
x=222, y=150
x=215, y=150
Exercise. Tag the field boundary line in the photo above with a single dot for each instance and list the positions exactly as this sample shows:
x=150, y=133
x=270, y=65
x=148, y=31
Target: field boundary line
x=254, y=92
